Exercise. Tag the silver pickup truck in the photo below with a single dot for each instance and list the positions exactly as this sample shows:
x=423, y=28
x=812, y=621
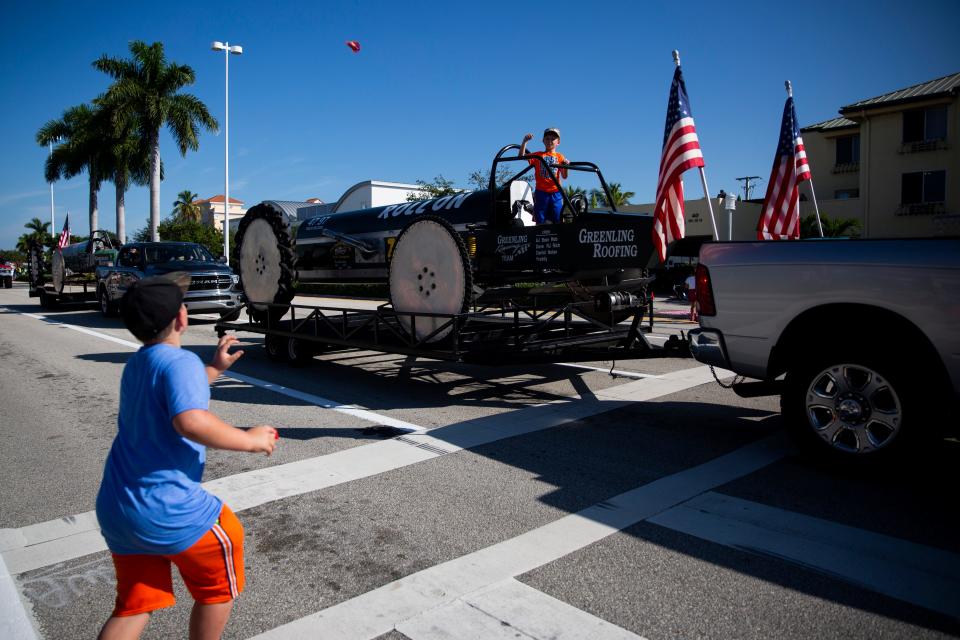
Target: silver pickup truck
x=213, y=285
x=861, y=338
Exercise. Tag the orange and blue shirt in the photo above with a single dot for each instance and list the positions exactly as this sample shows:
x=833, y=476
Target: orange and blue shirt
x=553, y=158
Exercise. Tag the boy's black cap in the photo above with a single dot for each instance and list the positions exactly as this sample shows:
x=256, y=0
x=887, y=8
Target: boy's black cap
x=150, y=304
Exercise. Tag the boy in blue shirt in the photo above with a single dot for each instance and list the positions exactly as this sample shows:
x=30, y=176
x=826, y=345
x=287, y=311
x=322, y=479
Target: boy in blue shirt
x=151, y=508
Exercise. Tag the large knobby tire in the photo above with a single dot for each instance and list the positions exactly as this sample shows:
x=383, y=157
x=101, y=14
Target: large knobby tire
x=36, y=267
x=429, y=273
x=850, y=405
x=58, y=270
x=266, y=261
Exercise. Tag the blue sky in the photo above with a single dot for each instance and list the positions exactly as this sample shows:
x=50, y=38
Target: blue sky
x=439, y=87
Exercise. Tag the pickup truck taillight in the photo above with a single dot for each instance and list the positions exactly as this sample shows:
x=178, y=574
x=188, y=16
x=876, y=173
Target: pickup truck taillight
x=705, y=292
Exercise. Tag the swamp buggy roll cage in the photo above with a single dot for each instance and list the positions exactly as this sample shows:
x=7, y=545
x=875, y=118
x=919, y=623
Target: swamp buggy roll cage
x=456, y=268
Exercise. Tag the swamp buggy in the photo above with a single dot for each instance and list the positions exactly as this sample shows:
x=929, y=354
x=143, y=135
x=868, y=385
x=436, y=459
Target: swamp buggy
x=458, y=269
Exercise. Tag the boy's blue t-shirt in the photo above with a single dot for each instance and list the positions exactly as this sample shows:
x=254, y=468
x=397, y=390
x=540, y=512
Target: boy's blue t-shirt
x=150, y=500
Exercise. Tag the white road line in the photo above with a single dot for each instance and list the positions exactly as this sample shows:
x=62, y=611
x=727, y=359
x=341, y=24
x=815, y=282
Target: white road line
x=508, y=610
x=904, y=570
x=615, y=372
x=379, y=611
x=47, y=543
x=15, y=623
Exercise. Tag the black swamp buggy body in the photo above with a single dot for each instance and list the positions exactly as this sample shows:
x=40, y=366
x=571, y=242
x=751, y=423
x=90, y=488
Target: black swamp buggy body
x=456, y=268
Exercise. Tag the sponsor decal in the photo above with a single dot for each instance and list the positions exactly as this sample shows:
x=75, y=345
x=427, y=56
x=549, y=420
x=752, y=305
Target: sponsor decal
x=421, y=206
x=509, y=247
x=316, y=222
x=610, y=243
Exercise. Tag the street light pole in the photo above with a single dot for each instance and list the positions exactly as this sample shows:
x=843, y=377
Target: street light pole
x=227, y=50
x=53, y=223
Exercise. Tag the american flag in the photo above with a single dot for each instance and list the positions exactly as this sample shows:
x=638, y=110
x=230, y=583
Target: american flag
x=780, y=219
x=681, y=151
x=65, y=234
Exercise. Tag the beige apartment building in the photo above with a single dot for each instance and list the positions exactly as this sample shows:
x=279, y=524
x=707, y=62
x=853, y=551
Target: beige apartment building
x=892, y=162
x=211, y=211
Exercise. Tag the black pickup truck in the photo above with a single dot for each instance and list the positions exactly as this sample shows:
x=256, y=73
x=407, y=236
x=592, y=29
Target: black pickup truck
x=213, y=285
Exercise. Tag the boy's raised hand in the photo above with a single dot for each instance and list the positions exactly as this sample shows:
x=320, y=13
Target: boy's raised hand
x=528, y=137
x=223, y=359
x=263, y=439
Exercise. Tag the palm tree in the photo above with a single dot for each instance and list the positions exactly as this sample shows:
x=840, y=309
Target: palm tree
x=617, y=194
x=146, y=91
x=37, y=231
x=184, y=208
x=78, y=136
x=125, y=159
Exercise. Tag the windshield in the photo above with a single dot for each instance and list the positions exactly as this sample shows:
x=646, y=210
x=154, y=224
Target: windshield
x=177, y=253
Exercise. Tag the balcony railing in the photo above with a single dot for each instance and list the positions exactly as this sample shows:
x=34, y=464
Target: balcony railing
x=919, y=146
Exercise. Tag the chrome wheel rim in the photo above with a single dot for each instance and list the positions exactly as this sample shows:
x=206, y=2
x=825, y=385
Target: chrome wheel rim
x=853, y=409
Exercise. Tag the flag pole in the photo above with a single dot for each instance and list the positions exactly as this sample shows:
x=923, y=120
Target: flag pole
x=813, y=195
x=703, y=175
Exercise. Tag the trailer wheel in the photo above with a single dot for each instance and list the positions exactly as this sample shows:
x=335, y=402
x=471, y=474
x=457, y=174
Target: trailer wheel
x=854, y=406
x=299, y=352
x=8, y=282
x=429, y=273
x=47, y=301
x=276, y=347
x=266, y=262
x=59, y=270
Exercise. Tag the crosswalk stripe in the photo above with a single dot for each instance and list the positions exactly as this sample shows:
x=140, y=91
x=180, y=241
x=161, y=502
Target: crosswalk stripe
x=508, y=610
x=905, y=570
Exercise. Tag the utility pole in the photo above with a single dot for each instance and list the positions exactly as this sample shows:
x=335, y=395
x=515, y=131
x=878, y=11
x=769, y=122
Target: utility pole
x=746, y=186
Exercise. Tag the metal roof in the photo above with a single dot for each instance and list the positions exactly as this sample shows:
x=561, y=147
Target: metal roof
x=292, y=207
x=826, y=125
x=947, y=85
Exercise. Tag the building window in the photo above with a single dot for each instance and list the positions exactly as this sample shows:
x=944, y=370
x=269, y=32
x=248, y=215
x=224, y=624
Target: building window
x=922, y=187
x=846, y=194
x=848, y=149
x=923, y=125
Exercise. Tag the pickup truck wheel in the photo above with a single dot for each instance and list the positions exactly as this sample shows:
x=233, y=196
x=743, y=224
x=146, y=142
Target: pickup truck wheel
x=8, y=282
x=266, y=262
x=230, y=316
x=429, y=273
x=850, y=407
x=107, y=308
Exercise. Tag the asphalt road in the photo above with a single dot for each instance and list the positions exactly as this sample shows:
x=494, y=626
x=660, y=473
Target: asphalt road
x=412, y=498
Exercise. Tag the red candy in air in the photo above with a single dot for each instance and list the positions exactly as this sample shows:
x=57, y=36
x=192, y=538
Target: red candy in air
x=276, y=435
x=354, y=45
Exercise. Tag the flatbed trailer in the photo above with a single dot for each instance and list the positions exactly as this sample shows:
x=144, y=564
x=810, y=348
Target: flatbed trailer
x=491, y=334
x=76, y=292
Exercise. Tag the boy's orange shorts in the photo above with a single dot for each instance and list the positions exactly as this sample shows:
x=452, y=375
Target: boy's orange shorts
x=212, y=569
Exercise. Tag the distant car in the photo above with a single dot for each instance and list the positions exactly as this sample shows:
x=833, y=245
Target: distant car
x=213, y=285
x=7, y=271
